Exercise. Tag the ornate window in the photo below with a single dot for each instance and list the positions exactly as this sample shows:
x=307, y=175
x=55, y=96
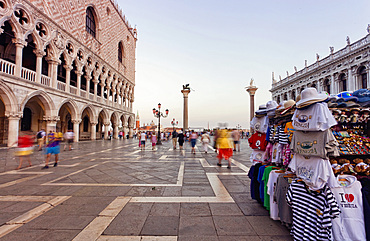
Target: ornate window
x=327, y=86
x=343, y=82
x=90, y=22
x=120, y=52
x=363, y=77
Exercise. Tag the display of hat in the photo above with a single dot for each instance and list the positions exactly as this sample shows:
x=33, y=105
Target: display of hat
x=363, y=95
x=347, y=96
x=298, y=98
x=310, y=96
x=271, y=105
x=365, y=104
x=332, y=104
x=352, y=104
x=365, y=110
x=287, y=106
x=337, y=111
x=355, y=109
x=261, y=110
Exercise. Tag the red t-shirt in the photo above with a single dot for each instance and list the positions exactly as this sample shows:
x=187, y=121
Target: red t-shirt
x=258, y=141
x=24, y=141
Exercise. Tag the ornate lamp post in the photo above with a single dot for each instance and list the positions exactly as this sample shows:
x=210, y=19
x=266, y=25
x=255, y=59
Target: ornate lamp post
x=158, y=114
x=174, y=123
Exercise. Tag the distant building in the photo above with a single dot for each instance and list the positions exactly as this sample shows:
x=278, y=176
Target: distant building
x=65, y=65
x=344, y=70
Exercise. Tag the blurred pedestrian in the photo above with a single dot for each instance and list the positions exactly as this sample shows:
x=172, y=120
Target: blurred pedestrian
x=120, y=135
x=216, y=133
x=154, y=140
x=142, y=140
x=224, y=147
x=53, y=147
x=40, y=136
x=235, y=134
x=205, y=140
x=68, y=137
x=181, y=139
x=193, y=140
x=174, y=139
x=25, y=149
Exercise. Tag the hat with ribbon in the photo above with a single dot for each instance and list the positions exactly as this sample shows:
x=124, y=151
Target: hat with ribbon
x=287, y=106
x=261, y=110
x=310, y=96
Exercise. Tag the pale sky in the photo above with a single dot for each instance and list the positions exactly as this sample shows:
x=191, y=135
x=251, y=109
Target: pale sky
x=218, y=46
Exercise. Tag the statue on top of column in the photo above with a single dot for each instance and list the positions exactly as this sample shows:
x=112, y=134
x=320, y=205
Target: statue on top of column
x=251, y=83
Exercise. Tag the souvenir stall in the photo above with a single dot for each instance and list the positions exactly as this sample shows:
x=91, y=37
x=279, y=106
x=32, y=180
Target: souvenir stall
x=306, y=171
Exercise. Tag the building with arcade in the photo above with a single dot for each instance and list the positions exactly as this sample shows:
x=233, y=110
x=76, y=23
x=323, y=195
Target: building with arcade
x=65, y=65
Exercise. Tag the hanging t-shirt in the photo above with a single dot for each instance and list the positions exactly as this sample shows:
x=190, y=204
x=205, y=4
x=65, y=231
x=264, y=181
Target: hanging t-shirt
x=314, y=143
x=350, y=225
x=271, y=188
x=265, y=179
x=289, y=129
x=262, y=185
x=258, y=141
x=259, y=124
x=314, y=171
x=284, y=210
x=276, y=153
x=317, y=117
x=283, y=137
x=250, y=175
x=312, y=212
x=256, y=187
x=257, y=156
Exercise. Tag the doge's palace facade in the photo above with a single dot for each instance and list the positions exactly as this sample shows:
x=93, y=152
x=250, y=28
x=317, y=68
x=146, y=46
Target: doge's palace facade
x=65, y=65
x=344, y=70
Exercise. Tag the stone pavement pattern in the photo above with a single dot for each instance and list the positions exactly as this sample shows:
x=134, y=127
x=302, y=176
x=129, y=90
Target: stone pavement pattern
x=111, y=190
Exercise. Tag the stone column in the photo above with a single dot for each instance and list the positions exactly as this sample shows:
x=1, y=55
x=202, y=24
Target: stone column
x=53, y=64
x=102, y=91
x=131, y=132
x=113, y=95
x=115, y=131
x=13, y=131
x=95, y=81
x=79, y=74
x=51, y=123
x=106, y=129
x=39, y=54
x=76, y=129
x=88, y=78
x=19, y=45
x=68, y=77
x=252, y=91
x=108, y=94
x=350, y=81
x=93, y=130
x=185, y=92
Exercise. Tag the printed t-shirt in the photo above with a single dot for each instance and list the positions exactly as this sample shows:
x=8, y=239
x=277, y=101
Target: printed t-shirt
x=276, y=153
x=314, y=143
x=265, y=179
x=257, y=156
x=54, y=139
x=350, y=225
x=315, y=118
x=258, y=141
x=312, y=212
x=259, y=124
x=142, y=136
x=271, y=188
x=314, y=171
x=285, y=211
x=289, y=129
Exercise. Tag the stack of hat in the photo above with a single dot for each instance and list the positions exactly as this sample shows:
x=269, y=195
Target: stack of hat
x=269, y=109
x=363, y=96
x=309, y=97
x=347, y=99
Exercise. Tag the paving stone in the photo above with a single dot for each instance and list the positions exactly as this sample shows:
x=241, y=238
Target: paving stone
x=161, y=226
x=195, y=209
x=225, y=209
x=233, y=225
x=165, y=209
x=196, y=226
x=264, y=225
x=240, y=238
x=277, y=238
x=198, y=238
x=250, y=209
x=34, y=235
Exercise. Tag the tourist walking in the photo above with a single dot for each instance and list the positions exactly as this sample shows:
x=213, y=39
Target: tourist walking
x=205, y=141
x=215, y=137
x=25, y=149
x=236, y=138
x=68, y=137
x=174, y=139
x=224, y=147
x=193, y=140
x=40, y=136
x=154, y=140
x=53, y=147
x=142, y=140
x=181, y=139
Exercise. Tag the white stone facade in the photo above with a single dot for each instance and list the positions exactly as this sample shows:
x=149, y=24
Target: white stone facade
x=54, y=74
x=343, y=70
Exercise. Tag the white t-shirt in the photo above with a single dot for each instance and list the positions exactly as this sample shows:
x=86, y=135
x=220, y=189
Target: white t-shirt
x=315, y=118
x=276, y=153
x=260, y=124
x=350, y=226
x=142, y=136
x=271, y=187
x=314, y=171
x=257, y=156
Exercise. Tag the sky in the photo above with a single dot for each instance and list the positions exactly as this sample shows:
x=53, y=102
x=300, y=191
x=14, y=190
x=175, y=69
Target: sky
x=218, y=46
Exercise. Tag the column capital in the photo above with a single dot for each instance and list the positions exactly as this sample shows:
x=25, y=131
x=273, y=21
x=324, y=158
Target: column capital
x=53, y=60
x=107, y=123
x=68, y=67
x=14, y=115
x=93, y=123
x=76, y=121
x=51, y=118
x=19, y=42
x=39, y=52
x=185, y=92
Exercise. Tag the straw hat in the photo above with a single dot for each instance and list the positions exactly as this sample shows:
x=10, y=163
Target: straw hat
x=287, y=106
x=310, y=96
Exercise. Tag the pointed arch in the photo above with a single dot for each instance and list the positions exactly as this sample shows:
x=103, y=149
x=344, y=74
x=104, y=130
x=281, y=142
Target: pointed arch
x=8, y=97
x=115, y=117
x=105, y=114
x=45, y=99
x=72, y=106
x=90, y=110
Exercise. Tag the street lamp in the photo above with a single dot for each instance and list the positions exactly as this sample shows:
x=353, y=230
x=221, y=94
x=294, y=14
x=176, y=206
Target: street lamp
x=158, y=114
x=174, y=123
x=238, y=126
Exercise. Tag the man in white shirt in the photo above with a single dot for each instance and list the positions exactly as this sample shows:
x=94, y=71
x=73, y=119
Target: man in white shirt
x=142, y=140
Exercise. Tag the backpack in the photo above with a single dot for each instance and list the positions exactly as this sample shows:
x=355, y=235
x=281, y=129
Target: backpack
x=39, y=135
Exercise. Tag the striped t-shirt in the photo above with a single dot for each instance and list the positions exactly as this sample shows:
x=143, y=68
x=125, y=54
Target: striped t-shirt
x=312, y=212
